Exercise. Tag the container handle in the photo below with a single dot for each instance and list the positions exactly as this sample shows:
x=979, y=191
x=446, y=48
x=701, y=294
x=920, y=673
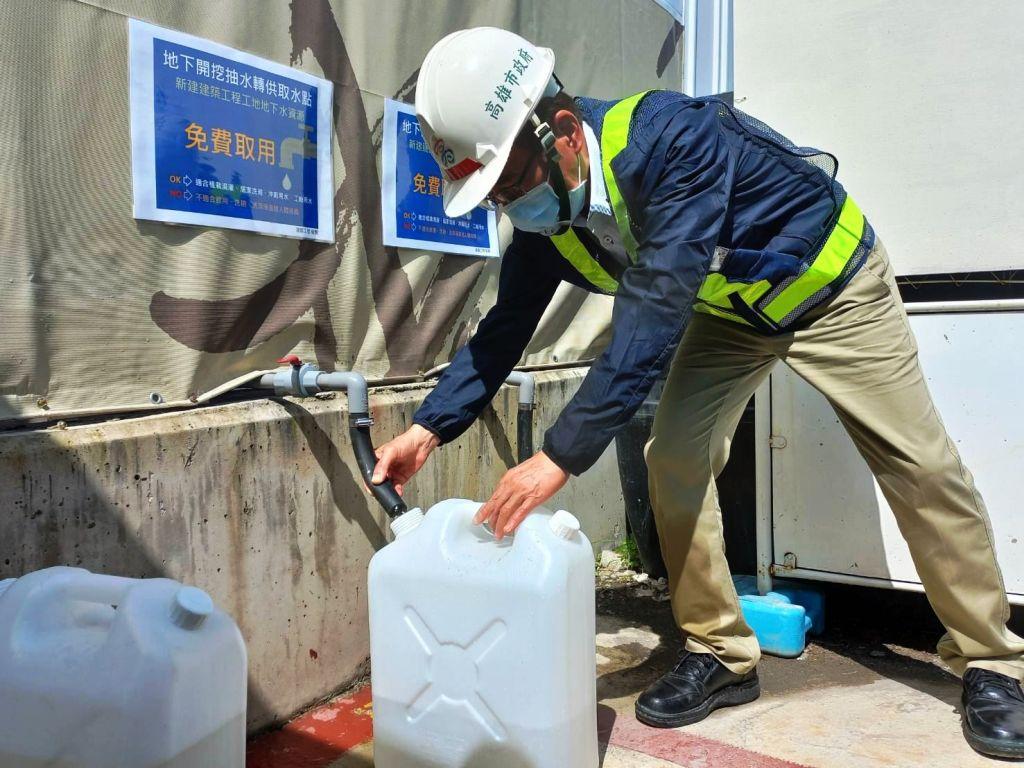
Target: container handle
x=96, y=588
x=88, y=588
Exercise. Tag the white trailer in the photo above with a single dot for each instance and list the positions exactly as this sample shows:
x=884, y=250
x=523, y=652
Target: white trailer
x=917, y=101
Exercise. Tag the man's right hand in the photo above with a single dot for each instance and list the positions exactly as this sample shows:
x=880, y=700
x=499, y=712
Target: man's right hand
x=401, y=458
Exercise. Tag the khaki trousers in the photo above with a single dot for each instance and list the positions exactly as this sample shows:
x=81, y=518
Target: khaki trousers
x=858, y=351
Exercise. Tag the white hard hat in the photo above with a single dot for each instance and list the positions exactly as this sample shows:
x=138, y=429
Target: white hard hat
x=476, y=89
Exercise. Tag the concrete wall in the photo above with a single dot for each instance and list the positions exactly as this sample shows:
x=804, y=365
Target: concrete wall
x=261, y=504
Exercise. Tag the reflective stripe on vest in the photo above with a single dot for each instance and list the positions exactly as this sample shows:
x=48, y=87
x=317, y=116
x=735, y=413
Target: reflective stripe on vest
x=576, y=253
x=737, y=301
x=614, y=136
x=829, y=264
x=715, y=294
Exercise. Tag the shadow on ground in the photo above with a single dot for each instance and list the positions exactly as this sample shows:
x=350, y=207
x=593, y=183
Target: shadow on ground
x=631, y=667
x=293, y=749
x=869, y=633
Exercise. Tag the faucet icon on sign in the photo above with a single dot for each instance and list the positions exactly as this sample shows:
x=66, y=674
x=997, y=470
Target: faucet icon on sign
x=292, y=146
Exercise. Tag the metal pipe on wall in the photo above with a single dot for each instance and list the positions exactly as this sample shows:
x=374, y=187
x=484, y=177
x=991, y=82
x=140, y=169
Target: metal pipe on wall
x=763, y=486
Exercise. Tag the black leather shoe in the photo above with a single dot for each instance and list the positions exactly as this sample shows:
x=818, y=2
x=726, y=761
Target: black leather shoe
x=697, y=686
x=993, y=717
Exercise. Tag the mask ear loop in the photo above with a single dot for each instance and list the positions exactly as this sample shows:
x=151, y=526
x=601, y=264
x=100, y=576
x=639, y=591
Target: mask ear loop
x=546, y=137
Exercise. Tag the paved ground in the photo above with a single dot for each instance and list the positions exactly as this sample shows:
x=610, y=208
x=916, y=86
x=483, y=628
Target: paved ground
x=870, y=693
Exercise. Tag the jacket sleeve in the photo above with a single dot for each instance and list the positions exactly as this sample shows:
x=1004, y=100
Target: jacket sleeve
x=478, y=369
x=685, y=170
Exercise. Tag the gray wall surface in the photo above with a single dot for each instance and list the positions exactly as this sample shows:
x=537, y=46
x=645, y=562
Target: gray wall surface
x=920, y=102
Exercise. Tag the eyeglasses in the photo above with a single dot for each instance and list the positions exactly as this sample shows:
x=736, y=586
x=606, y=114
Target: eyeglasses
x=513, y=190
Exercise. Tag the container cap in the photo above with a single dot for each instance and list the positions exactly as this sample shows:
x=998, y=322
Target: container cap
x=5, y=584
x=564, y=524
x=410, y=521
x=191, y=607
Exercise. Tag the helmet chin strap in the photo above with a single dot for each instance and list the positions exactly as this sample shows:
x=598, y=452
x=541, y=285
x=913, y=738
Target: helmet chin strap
x=546, y=137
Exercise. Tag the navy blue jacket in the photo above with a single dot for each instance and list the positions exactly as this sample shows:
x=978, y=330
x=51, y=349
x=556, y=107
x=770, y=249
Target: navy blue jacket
x=691, y=181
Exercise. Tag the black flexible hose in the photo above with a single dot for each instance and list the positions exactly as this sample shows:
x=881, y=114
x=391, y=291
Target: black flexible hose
x=524, y=432
x=385, y=493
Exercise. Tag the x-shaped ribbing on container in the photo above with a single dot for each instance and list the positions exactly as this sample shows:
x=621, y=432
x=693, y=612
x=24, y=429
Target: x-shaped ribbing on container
x=454, y=672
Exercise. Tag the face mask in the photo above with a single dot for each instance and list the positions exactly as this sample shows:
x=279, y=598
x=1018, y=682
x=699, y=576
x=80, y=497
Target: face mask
x=537, y=210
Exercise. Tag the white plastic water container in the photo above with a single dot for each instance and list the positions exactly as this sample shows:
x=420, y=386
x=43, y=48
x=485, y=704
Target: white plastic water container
x=108, y=672
x=483, y=652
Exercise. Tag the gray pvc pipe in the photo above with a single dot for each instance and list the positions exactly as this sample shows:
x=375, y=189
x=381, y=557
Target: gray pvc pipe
x=527, y=385
x=308, y=380
x=354, y=384
x=525, y=381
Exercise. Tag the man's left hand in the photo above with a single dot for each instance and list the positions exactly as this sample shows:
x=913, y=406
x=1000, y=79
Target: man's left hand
x=521, y=489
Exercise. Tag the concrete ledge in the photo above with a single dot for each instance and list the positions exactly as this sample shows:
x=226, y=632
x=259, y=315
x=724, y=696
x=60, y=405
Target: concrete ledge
x=261, y=504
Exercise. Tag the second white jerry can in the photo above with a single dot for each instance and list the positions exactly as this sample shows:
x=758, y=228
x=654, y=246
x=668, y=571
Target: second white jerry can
x=483, y=652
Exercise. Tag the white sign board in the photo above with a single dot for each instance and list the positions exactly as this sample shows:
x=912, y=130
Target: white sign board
x=222, y=138
x=677, y=8
x=411, y=207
